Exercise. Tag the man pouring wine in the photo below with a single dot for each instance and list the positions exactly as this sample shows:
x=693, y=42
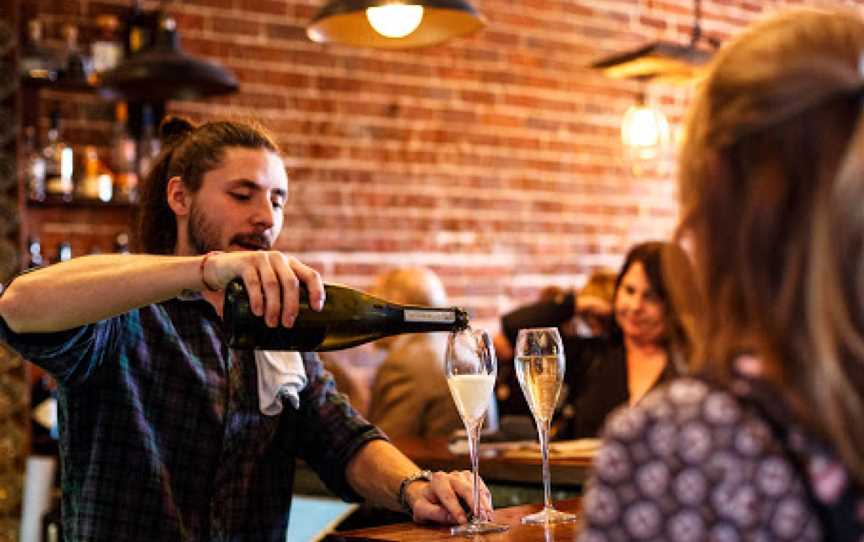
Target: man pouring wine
x=161, y=433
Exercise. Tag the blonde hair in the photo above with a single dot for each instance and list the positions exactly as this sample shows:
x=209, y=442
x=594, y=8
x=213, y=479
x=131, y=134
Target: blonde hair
x=411, y=286
x=772, y=189
x=601, y=283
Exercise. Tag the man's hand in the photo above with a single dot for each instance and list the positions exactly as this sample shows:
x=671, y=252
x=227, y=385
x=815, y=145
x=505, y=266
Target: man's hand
x=272, y=280
x=438, y=501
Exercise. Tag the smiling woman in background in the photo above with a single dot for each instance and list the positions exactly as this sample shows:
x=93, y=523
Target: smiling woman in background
x=646, y=344
x=766, y=442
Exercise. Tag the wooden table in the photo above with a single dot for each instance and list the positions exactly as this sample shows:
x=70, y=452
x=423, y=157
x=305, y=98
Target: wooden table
x=412, y=532
x=433, y=454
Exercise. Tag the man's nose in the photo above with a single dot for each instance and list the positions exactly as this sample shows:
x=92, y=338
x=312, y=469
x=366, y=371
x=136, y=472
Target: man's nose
x=263, y=216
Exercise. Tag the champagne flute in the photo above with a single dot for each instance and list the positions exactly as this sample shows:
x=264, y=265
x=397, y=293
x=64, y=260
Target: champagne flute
x=470, y=366
x=540, y=369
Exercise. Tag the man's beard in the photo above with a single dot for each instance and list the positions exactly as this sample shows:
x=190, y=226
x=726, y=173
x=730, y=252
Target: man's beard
x=204, y=235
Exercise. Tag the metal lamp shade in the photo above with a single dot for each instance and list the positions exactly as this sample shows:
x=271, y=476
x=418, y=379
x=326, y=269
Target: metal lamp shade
x=659, y=62
x=165, y=72
x=662, y=61
x=344, y=22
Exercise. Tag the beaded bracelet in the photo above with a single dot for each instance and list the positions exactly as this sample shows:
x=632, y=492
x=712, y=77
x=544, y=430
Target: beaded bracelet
x=201, y=269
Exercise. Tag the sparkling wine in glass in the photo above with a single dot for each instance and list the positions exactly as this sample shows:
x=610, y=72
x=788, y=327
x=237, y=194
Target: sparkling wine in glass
x=540, y=368
x=470, y=366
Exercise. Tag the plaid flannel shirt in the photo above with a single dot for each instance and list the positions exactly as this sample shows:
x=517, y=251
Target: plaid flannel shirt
x=161, y=437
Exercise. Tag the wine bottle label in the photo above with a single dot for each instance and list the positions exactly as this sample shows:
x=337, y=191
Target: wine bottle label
x=437, y=317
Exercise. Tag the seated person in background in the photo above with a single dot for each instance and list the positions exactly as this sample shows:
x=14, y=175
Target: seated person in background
x=595, y=302
x=645, y=346
x=765, y=441
x=353, y=370
x=410, y=397
x=555, y=307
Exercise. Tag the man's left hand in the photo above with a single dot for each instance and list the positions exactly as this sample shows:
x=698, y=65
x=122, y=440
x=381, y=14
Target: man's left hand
x=438, y=501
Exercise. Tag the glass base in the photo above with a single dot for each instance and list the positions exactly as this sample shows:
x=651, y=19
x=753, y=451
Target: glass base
x=549, y=515
x=479, y=527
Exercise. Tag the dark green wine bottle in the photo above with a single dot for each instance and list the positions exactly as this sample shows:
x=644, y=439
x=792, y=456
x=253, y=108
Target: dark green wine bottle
x=349, y=318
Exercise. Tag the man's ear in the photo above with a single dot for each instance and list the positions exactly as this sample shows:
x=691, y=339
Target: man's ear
x=178, y=196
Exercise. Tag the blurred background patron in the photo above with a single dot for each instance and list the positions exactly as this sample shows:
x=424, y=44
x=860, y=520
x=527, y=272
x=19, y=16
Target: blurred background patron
x=646, y=342
x=410, y=397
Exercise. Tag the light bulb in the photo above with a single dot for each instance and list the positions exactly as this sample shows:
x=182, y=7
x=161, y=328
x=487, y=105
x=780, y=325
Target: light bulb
x=645, y=131
x=395, y=20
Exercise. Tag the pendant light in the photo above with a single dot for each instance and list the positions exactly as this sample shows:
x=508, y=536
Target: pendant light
x=662, y=61
x=645, y=131
x=393, y=24
x=164, y=71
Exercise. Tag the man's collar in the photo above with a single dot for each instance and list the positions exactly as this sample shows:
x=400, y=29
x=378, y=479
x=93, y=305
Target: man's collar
x=190, y=295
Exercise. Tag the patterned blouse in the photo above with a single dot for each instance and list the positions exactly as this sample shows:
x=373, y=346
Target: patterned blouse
x=694, y=461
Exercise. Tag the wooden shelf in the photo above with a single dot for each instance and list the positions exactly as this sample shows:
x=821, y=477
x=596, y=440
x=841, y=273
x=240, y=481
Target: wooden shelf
x=68, y=85
x=57, y=203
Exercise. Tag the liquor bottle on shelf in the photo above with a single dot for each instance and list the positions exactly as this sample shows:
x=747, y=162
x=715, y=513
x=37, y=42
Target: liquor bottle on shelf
x=34, y=253
x=59, y=162
x=64, y=252
x=107, y=48
x=121, y=243
x=139, y=30
x=349, y=317
x=34, y=166
x=38, y=61
x=148, y=143
x=123, y=156
x=78, y=66
x=96, y=183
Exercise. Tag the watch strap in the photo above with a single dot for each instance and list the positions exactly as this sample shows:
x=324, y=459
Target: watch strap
x=408, y=480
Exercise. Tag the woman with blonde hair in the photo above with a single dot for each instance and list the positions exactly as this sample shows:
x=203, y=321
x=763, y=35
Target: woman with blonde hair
x=766, y=441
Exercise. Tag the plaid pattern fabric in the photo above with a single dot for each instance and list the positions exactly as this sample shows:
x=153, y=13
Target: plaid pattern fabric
x=160, y=433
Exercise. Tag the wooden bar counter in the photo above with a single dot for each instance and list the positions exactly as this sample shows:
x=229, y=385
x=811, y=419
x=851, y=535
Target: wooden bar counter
x=412, y=532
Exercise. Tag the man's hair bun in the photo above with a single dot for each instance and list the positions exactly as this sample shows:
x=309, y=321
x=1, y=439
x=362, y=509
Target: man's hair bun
x=174, y=128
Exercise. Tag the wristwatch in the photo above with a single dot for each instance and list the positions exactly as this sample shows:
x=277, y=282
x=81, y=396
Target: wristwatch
x=407, y=481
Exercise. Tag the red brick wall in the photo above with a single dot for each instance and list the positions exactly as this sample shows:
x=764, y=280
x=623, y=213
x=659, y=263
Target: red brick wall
x=493, y=159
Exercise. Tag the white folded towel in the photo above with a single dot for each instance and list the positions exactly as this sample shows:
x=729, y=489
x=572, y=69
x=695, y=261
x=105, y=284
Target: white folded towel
x=280, y=375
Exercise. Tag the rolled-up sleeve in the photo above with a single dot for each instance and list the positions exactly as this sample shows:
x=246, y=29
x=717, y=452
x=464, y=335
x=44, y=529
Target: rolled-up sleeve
x=71, y=355
x=551, y=313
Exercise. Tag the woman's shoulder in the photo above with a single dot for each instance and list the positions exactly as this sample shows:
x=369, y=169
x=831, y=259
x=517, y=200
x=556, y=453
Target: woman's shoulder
x=692, y=461
x=690, y=419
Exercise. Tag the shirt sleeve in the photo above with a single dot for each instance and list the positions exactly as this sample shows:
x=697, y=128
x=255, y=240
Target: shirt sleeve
x=331, y=430
x=690, y=463
x=71, y=355
x=541, y=314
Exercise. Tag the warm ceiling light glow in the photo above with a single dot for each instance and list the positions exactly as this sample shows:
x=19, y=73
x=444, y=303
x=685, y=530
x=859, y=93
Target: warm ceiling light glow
x=645, y=132
x=395, y=20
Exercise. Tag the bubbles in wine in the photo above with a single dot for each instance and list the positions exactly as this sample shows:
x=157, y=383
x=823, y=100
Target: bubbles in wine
x=540, y=378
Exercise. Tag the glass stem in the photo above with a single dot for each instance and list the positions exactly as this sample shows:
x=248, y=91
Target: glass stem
x=543, y=430
x=473, y=443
